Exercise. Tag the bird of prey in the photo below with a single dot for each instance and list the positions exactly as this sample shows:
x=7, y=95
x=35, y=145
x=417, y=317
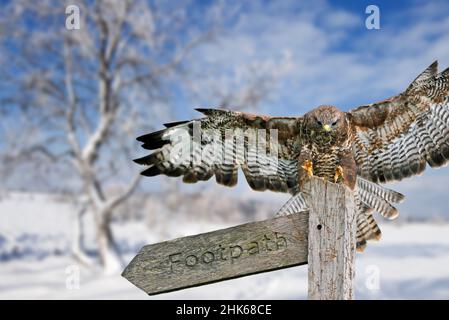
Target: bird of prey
x=362, y=148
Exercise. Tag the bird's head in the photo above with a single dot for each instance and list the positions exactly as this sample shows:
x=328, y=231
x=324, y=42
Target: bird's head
x=326, y=118
x=325, y=121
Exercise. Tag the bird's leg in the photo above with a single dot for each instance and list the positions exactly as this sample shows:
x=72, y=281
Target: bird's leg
x=308, y=166
x=338, y=173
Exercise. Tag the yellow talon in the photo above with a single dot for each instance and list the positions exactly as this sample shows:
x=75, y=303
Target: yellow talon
x=338, y=173
x=308, y=166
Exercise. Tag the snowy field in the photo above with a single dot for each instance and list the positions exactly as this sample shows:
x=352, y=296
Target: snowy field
x=410, y=262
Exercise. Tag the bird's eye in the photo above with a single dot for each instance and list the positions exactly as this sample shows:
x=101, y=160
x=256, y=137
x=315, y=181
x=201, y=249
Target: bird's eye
x=335, y=122
x=318, y=122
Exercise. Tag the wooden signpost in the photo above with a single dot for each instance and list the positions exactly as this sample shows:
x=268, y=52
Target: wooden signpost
x=324, y=237
x=332, y=244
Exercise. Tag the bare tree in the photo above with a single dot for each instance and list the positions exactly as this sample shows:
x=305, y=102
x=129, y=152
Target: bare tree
x=83, y=95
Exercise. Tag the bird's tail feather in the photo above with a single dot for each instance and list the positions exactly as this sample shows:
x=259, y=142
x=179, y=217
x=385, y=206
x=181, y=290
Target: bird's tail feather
x=369, y=197
x=367, y=228
x=297, y=203
x=378, y=197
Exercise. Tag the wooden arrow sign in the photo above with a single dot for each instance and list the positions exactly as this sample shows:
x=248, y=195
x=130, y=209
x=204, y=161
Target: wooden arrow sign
x=221, y=255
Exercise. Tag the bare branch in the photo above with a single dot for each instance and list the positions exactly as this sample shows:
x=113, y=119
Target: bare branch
x=122, y=197
x=71, y=104
x=91, y=94
x=90, y=150
x=157, y=70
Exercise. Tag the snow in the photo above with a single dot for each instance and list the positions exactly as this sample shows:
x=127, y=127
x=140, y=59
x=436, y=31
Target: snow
x=410, y=261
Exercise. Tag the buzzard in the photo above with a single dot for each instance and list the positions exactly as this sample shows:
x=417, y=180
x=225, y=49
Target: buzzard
x=362, y=148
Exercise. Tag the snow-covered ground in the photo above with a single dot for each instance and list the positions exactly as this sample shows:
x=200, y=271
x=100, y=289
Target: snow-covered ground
x=411, y=261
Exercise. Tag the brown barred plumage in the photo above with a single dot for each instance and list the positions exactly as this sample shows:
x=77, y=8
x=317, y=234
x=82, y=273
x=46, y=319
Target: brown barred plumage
x=384, y=141
x=397, y=137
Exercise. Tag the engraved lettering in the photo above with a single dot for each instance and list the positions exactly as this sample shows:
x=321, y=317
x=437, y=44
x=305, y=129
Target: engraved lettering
x=280, y=241
x=254, y=247
x=222, y=251
x=172, y=258
x=207, y=257
x=236, y=252
x=268, y=241
x=191, y=260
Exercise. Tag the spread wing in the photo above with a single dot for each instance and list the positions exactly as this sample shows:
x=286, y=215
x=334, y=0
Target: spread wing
x=265, y=148
x=396, y=138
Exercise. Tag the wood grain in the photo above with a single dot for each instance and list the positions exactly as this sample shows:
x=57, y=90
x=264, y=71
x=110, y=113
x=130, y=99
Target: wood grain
x=332, y=241
x=220, y=255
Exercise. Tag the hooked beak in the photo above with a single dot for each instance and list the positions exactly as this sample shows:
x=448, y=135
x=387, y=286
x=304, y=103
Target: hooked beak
x=327, y=128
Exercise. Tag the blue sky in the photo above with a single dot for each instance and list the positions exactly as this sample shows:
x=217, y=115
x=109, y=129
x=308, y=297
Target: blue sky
x=333, y=58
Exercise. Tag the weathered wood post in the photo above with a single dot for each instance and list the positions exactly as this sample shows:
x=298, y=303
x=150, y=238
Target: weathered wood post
x=332, y=241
